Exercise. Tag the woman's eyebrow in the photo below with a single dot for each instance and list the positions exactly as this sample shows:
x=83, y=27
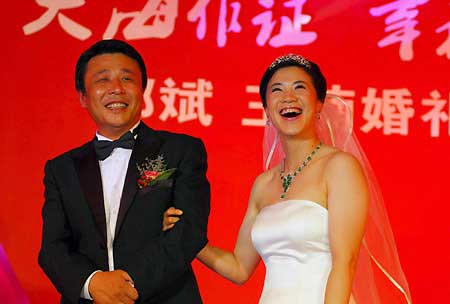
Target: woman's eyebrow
x=283, y=83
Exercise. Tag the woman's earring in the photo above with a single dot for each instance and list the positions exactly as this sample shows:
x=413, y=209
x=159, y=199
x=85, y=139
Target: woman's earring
x=318, y=115
x=268, y=122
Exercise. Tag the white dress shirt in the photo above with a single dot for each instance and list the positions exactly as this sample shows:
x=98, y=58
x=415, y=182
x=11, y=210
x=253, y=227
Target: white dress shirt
x=113, y=171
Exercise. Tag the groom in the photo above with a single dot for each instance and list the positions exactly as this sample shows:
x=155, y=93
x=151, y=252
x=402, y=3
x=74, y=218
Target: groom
x=104, y=201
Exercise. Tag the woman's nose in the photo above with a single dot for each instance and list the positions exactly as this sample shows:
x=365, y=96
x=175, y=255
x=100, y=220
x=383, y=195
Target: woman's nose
x=289, y=95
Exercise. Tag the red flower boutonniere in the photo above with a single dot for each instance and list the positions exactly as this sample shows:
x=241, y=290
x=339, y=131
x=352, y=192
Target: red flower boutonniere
x=153, y=170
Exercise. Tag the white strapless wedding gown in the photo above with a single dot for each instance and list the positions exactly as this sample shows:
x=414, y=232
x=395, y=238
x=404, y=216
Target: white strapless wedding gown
x=292, y=239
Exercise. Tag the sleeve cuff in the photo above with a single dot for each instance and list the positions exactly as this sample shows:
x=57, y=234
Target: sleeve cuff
x=85, y=291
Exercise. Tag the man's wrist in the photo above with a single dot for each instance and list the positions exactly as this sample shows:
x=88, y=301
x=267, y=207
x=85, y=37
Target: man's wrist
x=85, y=294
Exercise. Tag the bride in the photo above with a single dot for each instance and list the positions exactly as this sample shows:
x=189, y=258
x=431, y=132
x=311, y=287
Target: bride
x=312, y=217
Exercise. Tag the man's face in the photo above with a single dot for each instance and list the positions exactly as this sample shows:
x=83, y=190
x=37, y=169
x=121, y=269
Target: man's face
x=114, y=94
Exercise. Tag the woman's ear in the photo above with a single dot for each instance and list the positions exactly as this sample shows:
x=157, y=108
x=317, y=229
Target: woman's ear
x=267, y=115
x=319, y=106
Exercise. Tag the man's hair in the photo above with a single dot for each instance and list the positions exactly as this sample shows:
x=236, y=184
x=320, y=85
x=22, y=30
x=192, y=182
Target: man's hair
x=110, y=46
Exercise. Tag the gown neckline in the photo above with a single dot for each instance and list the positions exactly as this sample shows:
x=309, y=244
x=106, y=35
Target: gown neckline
x=284, y=202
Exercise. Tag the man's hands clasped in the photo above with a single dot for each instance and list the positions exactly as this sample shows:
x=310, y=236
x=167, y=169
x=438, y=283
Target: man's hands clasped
x=117, y=287
x=112, y=287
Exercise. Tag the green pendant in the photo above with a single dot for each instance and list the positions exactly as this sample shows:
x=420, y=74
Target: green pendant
x=287, y=180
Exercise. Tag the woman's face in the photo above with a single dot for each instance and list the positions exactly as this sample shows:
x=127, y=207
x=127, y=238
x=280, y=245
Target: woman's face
x=292, y=103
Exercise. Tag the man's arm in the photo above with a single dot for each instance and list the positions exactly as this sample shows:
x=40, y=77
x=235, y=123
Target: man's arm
x=166, y=258
x=66, y=268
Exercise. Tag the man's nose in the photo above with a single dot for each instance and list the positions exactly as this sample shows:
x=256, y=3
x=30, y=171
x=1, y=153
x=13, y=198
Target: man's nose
x=116, y=86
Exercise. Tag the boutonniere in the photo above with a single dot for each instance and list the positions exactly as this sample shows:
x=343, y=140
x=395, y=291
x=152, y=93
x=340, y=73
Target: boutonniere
x=153, y=170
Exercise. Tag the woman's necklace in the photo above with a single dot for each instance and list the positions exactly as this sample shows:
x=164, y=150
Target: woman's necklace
x=288, y=179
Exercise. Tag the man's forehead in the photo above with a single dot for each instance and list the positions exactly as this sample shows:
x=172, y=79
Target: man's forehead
x=109, y=61
x=109, y=56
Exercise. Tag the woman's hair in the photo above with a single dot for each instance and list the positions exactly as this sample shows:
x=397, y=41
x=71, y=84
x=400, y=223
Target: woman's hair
x=110, y=46
x=312, y=69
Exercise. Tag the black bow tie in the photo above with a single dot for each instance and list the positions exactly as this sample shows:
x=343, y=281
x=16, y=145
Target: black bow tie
x=104, y=148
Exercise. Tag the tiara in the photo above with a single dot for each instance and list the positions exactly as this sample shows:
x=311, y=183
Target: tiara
x=288, y=58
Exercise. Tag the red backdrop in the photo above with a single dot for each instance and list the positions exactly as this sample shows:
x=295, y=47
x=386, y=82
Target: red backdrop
x=390, y=58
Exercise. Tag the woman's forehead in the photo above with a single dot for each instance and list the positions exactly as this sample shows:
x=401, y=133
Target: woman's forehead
x=289, y=74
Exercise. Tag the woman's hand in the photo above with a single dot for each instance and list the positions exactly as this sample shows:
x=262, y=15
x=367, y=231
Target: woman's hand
x=170, y=218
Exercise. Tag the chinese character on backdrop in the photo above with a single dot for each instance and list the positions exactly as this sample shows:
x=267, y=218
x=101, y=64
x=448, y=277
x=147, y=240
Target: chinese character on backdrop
x=223, y=27
x=198, y=13
x=148, y=109
x=401, y=25
x=156, y=20
x=347, y=95
x=444, y=48
x=254, y=105
x=290, y=29
x=68, y=25
x=190, y=99
x=436, y=114
x=391, y=112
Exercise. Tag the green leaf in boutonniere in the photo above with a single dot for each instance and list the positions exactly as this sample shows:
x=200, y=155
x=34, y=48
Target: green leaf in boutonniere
x=153, y=170
x=166, y=174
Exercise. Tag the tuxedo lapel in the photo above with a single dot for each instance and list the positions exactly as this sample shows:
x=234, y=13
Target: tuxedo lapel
x=91, y=183
x=147, y=144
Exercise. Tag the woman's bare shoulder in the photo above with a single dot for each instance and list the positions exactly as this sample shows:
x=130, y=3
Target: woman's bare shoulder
x=340, y=158
x=266, y=177
x=263, y=184
x=342, y=164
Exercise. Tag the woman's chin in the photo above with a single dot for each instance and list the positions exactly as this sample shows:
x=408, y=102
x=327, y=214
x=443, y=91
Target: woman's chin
x=291, y=132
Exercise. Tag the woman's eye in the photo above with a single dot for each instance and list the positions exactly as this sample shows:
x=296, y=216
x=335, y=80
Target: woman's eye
x=276, y=90
x=297, y=87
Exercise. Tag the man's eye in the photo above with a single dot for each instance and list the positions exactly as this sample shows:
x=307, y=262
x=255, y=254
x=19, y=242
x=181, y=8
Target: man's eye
x=102, y=79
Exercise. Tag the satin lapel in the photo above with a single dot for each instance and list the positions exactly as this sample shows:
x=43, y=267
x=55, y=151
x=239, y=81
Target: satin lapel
x=91, y=183
x=147, y=145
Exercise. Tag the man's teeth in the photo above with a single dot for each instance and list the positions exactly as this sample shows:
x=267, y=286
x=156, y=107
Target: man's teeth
x=116, y=105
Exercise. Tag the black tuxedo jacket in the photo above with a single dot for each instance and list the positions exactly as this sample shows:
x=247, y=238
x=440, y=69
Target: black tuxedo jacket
x=74, y=225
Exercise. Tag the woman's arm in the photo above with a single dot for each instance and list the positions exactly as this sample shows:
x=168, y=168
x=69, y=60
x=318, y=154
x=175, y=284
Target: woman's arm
x=236, y=266
x=348, y=201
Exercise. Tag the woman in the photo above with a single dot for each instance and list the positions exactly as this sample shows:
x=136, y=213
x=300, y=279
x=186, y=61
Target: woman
x=307, y=215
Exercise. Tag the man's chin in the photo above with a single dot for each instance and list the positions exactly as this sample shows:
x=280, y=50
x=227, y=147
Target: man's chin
x=113, y=130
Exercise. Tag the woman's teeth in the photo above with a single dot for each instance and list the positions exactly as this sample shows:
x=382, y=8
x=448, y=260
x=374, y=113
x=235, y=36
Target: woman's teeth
x=290, y=112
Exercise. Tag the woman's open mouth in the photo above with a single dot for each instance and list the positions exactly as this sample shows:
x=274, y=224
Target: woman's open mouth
x=291, y=112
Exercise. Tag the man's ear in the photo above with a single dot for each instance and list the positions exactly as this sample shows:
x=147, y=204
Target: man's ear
x=83, y=100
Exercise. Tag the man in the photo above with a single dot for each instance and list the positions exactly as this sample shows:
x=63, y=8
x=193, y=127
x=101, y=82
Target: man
x=104, y=201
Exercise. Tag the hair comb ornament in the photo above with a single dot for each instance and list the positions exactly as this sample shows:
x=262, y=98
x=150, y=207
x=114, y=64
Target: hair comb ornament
x=288, y=58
